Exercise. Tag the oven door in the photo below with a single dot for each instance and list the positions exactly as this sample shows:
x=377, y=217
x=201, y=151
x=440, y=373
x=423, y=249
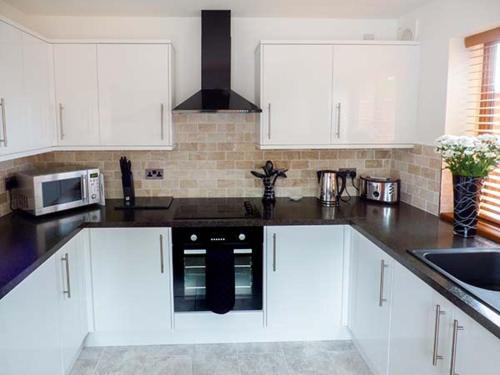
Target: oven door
x=190, y=279
x=61, y=191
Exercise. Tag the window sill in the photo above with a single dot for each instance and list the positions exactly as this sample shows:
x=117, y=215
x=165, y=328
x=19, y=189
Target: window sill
x=484, y=228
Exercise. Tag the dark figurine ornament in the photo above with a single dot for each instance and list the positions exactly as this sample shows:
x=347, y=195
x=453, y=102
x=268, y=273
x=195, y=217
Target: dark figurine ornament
x=269, y=178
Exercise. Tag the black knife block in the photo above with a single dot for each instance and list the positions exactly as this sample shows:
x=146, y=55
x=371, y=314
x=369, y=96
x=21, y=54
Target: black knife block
x=128, y=189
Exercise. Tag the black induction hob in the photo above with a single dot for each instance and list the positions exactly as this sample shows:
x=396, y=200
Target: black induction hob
x=219, y=210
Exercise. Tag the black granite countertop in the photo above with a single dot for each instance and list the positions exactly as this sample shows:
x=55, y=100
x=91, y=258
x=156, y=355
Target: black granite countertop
x=26, y=242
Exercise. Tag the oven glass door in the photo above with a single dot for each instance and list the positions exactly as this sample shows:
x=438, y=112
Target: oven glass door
x=190, y=290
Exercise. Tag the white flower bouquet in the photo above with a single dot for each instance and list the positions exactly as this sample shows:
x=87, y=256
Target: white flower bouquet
x=470, y=156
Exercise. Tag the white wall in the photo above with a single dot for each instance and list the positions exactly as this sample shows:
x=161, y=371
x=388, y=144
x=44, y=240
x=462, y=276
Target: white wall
x=185, y=35
x=441, y=25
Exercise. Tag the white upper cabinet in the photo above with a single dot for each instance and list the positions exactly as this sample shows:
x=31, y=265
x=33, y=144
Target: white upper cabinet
x=38, y=80
x=296, y=96
x=76, y=94
x=12, y=110
x=375, y=94
x=26, y=112
x=327, y=95
x=134, y=94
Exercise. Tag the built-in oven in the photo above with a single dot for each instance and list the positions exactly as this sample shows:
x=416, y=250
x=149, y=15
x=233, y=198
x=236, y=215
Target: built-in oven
x=217, y=269
x=44, y=191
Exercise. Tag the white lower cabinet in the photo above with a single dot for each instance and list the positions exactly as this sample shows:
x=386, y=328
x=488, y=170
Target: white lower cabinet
x=304, y=279
x=370, y=301
x=477, y=350
x=131, y=280
x=415, y=331
x=42, y=326
x=30, y=325
x=420, y=327
x=70, y=262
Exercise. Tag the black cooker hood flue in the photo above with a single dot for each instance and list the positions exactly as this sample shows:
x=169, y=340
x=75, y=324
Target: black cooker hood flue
x=216, y=94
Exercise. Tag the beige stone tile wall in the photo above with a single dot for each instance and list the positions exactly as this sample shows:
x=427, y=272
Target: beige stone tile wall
x=8, y=168
x=214, y=157
x=420, y=172
x=215, y=154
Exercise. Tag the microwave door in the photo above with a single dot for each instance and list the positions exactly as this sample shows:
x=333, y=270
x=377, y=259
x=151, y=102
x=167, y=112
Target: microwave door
x=61, y=191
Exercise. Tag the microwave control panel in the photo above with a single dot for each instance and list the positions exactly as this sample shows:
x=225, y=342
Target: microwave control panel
x=94, y=194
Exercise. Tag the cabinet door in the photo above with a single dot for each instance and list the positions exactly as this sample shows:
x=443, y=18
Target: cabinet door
x=29, y=325
x=13, y=126
x=420, y=327
x=477, y=350
x=37, y=56
x=134, y=94
x=131, y=281
x=370, y=302
x=75, y=68
x=304, y=277
x=71, y=274
x=375, y=94
x=296, y=95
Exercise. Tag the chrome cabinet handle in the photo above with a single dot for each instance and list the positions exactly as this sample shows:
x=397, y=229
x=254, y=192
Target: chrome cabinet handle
x=381, y=298
x=453, y=363
x=274, y=252
x=61, y=125
x=339, y=111
x=269, y=121
x=4, y=123
x=162, y=115
x=162, y=262
x=65, y=260
x=435, y=352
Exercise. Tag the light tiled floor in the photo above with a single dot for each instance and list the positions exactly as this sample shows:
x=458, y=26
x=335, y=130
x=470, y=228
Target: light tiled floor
x=290, y=358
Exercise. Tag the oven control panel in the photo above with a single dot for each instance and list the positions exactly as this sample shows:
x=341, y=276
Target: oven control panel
x=204, y=235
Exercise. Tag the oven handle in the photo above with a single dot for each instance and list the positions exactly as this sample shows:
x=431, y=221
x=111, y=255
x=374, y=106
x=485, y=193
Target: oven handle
x=204, y=252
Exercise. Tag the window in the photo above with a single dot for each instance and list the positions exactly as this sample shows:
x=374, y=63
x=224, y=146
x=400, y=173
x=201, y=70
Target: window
x=484, y=114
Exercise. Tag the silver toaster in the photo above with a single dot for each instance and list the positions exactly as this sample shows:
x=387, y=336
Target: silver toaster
x=381, y=189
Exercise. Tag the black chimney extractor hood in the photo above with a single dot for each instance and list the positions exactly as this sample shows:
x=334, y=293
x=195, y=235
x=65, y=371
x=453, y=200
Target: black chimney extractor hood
x=216, y=94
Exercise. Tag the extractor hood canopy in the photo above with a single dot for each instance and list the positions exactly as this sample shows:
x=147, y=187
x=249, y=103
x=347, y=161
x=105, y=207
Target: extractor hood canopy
x=216, y=94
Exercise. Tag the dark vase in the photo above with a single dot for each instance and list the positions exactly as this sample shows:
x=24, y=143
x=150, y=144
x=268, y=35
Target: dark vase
x=466, y=201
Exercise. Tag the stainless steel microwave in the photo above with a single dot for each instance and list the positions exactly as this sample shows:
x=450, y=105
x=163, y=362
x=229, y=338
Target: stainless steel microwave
x=45, y=191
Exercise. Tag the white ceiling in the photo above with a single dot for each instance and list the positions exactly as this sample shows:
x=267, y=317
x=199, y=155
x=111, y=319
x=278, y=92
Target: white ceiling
x=240, y=8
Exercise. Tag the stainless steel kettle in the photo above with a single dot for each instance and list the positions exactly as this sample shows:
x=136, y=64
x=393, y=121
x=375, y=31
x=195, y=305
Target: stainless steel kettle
x=331, y=186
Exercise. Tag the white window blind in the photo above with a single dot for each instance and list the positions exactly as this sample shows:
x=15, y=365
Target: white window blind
x=484, y=115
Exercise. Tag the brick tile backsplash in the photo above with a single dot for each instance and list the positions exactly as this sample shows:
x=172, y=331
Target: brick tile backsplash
x=420, y=172
x=214, y=156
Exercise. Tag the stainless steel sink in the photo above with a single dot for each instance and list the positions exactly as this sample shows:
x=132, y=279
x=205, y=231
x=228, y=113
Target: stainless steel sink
x=475, y=269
